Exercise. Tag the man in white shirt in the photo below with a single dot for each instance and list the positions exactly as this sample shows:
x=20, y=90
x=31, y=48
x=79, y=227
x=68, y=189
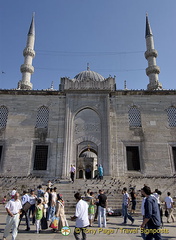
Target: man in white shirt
x=32, y=201
x=125, y=205
x=72, y=173
x=169, y=206
x=81, y=216
x=13, y=208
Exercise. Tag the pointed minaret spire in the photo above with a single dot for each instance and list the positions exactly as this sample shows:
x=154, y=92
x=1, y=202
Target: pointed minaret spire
x=148, y=30
x=151, y=54
x=88, y=67
x=27, y=69
x=32, y=26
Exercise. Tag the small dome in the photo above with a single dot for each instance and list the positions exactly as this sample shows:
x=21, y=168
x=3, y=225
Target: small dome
x=89, y=75
x=89, y=154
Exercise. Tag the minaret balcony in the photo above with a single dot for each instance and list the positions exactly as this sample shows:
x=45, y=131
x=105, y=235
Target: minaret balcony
x=151, y=53
x=27, y=68
x=154, y=86
x=22, y=85
x=152, y=69
x=29, y=52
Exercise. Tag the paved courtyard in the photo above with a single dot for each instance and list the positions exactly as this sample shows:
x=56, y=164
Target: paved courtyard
x=114, y=230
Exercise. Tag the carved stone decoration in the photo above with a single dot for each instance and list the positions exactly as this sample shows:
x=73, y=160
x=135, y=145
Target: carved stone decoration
x=2, y=130
x=87, y=128
x=41, y=133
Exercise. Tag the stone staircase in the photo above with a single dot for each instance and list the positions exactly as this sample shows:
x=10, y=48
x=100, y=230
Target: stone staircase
x=111, y=186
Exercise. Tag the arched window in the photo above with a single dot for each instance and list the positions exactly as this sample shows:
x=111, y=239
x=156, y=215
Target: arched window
x=171, y=114
x=3, y=116
x=134, y=117
x=42, y=117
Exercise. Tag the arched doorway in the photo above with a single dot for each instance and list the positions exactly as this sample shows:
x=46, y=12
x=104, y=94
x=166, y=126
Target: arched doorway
x=87, y=164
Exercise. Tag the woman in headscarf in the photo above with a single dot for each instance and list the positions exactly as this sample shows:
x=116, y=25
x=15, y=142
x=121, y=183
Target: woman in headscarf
x=100, y=172
x=60, y=212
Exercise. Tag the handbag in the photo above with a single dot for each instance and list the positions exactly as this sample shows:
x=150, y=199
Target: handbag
x=44, y=224
x=26, y=206
x=166, y=213
x=54, y=222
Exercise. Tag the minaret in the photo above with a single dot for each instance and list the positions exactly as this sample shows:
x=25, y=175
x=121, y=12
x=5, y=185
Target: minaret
x=151, y=54
x=27, y=69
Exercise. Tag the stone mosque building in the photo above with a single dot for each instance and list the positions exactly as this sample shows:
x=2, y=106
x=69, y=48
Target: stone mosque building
x=88, y=122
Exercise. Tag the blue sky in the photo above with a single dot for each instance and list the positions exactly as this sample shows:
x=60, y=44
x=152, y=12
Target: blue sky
x=107, y=34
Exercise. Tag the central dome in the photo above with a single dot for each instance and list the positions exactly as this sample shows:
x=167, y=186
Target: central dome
x=89, y=75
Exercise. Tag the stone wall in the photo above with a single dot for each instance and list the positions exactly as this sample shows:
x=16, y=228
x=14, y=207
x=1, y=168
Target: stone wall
x=106, y=130
x=20, y=135
x=155, y=138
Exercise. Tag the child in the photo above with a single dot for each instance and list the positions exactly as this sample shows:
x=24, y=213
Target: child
x=91, y=209
x=38, y=214
x=4, y=200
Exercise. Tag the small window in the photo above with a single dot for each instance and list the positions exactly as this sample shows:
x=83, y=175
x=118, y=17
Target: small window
x=133, y=161
x=40, y=157
x=0, y=153
x=171, y=114
x=42, y=117
x=174, y=156
x=3, y=116
x=134, y=117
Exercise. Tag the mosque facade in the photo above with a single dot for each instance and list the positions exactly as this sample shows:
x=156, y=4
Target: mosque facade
x=88, y=122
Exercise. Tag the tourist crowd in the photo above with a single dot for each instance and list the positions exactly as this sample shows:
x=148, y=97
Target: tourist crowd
x=45, y=208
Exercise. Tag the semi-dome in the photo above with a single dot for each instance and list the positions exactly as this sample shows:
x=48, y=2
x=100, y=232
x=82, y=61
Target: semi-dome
x=89, y=75
x=89, y=154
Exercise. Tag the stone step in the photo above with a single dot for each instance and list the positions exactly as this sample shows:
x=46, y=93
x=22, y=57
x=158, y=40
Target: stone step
x=111, y=186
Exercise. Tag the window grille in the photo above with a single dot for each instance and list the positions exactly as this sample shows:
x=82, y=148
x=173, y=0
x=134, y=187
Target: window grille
x=40, y=158
x=133, y=161
x=42, y=117
x=171, y=114
x=134, y=117
x=3, y=116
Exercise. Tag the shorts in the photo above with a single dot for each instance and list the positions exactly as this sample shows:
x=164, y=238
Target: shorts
x=91, y=216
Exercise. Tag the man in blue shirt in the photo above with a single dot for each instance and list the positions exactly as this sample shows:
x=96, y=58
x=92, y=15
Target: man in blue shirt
x=25, y=212
x=152, y=218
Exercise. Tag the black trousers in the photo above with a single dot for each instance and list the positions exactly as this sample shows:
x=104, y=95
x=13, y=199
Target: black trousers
x=26, y=214
x=77, y=232
x=72, y=176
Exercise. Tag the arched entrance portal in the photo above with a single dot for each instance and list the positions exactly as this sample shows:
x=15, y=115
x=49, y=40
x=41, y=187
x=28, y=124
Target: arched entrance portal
x=87, y=164
x=87, y=140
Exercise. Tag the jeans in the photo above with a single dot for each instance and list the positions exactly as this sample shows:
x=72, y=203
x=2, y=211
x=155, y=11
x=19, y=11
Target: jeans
x=51, y=212
x=32, y=209
x=151, y=236
x=125, y=214
x=101, y=214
